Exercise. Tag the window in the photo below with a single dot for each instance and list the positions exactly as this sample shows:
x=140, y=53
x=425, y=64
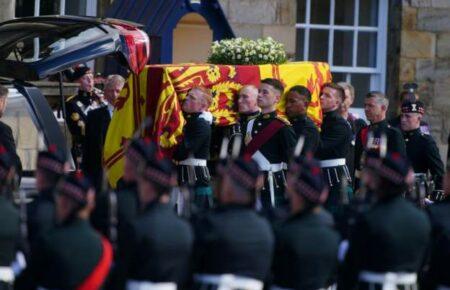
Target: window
x=51, y=7
x=33, y=42
x=350, y=35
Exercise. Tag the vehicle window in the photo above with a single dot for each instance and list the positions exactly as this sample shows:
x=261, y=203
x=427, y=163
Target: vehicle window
x=18, y=115
x=31, y=44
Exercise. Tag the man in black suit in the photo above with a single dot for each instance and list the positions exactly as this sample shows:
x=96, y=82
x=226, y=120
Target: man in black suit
x=6, y=136
x=96, y=129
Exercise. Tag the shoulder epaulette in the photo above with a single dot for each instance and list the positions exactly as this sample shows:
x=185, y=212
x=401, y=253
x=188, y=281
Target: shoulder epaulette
x=284, y=120
x=70, y=98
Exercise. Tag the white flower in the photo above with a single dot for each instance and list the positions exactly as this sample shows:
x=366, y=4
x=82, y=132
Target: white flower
x=243, y=50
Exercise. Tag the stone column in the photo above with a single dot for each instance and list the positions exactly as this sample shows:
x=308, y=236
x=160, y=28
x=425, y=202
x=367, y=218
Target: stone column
x=7, y=10
x=425, y=59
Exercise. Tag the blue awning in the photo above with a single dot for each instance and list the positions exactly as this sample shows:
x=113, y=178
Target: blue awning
x=160, y=18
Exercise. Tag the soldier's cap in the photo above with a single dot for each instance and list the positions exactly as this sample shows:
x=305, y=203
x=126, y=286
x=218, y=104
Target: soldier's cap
x=78, y=72
x=139, y=149
x=6, y=162
x=413, y=107
x=75, y=186
x=157, y=168
x=51, y=160
x=394, y=167
x=243, y=170
x=309, y=181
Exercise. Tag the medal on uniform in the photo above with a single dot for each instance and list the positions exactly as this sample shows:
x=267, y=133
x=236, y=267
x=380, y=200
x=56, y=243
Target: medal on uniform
x=75, y=116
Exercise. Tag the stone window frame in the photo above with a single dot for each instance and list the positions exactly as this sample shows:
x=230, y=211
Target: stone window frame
x=377, y=73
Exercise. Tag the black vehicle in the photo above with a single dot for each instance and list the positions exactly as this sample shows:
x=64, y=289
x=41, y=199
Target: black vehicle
x=34, y=48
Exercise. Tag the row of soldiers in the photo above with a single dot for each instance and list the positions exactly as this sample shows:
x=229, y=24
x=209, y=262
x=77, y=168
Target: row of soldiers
x=390, y=240
x=339, y=144
x=152, y=245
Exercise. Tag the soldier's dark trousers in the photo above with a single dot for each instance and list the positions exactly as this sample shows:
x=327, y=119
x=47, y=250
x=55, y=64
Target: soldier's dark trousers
x=279, y=186
x=5, y=286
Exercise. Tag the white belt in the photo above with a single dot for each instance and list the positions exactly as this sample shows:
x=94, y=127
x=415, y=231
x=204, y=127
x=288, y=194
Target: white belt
x=442, y=287
x=229, y=282
x=275, y=167
x=332, y=287
x=389, y=280
x=193, y=162
x=6, y=274
x=145, y=285
x=332, y=162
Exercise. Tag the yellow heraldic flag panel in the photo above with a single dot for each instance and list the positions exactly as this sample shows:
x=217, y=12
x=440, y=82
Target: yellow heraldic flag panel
x=312, y=75
x=126, y=119
x=158, y=91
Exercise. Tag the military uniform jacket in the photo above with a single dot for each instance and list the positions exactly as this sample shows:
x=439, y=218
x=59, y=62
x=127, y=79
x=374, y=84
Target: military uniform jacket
x=233, y=239
x=63, y=258
x=439, y=269
x=424, y=155
x=245, y=118
x=356, y=124
x=158, y=247
x=335, y=137
x=9, y=232
x=303, y=125
x=7, y=140
x=278, y=148
x=41, y=215
x=395, y=142
x=392, y=236
x=77, y=108
x=195, y=144
x=306, y=252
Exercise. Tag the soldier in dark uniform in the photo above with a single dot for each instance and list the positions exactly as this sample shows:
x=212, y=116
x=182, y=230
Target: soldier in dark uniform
x=437, y=277
x=421, y=148
x=388, y=242
x=78, y=106
x=409, y=95
x=297, y=101
x=192, y=153
x=270, y=141
x=159, y=244
x=72, y=255
x=41, y=211
x=306, y=244
x=9, y=220
x=233, y=238
x=335, y=138
x=355, y=122
x=6, y=136
x=126, y=208
x=369, y=138
x=247, y=105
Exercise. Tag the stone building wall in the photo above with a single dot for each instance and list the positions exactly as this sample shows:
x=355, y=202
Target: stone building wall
x=260, y=18
x=425, y=59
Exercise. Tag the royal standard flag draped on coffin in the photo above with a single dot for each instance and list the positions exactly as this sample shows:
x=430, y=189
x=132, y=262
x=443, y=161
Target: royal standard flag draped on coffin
x=157, y=91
